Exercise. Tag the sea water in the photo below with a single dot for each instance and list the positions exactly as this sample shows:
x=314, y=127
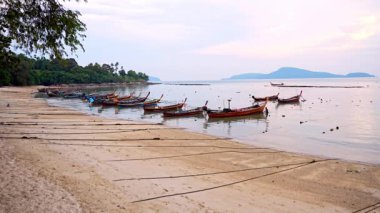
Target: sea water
x=339, y=123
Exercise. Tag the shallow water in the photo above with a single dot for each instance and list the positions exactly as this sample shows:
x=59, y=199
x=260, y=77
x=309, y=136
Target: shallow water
x=301, y=128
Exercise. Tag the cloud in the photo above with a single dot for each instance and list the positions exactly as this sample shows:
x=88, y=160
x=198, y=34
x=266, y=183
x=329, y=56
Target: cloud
x=138, y=21
x=207, y=37
x=294, y=38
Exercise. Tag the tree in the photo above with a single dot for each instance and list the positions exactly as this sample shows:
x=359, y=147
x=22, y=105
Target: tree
x=42, y=26
x=132, y=74
x=35, y=26
x=122, y=72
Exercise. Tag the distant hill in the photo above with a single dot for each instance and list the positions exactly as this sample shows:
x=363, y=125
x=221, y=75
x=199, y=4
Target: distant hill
x=292, y=72
x=154, y=79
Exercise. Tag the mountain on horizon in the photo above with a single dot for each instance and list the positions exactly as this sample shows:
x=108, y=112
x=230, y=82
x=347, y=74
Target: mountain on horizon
x=292, y=72
x=154, y=79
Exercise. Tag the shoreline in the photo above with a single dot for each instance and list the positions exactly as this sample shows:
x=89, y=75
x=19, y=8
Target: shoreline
x=90, y=86
x=102, y=166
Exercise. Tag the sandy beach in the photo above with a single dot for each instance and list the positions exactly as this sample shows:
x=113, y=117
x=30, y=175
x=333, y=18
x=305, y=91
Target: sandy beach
x=58, y=160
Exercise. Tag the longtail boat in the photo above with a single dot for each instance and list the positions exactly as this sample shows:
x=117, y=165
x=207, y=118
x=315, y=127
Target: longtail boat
x=136, y=104
x=291, y=99
x=227, y=112
x=164, y=108
x=153, y=102
x=127, y=97
x=134, y=100
x=54, y=93
x=74, y=95
x=109, y=95
x=110, y=102
x=183, y=113
x=275, y=85
x=270, y=98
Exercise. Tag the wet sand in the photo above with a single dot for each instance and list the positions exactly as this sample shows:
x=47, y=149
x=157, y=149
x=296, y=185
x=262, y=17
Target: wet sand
x=58, y=160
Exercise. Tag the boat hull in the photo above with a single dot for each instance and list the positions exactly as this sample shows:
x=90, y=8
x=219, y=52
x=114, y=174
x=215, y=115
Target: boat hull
x=163, y=108
x=293, y=99
x=237, y=113
x=183, y=113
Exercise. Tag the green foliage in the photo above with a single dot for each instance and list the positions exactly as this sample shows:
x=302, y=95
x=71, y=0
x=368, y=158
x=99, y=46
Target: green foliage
x=45, y=27
x=63, y=71
x=5, y=77
x=42, y=26
x=36, y=26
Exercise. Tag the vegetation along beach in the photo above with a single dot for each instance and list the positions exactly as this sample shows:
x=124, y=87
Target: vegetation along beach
x=143, y=106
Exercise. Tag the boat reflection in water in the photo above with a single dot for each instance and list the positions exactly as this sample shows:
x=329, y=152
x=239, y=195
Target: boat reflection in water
x=235, y=124
x=292, y=105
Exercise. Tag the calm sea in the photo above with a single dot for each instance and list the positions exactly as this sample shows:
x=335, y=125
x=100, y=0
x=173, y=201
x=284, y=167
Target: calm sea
x=332, y=122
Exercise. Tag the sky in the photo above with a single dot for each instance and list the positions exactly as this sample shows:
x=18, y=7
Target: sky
x=215, y=39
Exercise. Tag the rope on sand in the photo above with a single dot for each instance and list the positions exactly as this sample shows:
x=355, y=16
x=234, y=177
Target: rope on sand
x=125, y=139
x=368, y=208
x=229, y=184
x=81, y=133
x=62, y=123
x=194, y=154
x=210, y=173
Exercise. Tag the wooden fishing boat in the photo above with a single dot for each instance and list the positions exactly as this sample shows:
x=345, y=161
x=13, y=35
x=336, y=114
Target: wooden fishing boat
x=227, y=112
x=98, y=99
x=102, y=96
x=291, y=99
x=164, y=108
x=276, y=85
x=43, y=90
x=137, y=104
x=128, y=97
x=110, y=102
x=270, y=98
x=183, y=113
x=153, y=102
x=54, y=93
x=133, y=100
x=74, y=95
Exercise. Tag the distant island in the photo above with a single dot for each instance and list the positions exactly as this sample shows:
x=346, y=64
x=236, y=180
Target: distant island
x=292, y=72
x=153, y=79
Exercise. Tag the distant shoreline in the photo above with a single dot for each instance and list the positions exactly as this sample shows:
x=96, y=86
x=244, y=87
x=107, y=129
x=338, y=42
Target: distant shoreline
x=42, y=88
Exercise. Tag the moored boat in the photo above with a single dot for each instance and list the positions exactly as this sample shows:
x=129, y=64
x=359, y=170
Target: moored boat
x=153, y=102
x=127, y=97
x=137, y=104
x=183, y=113
x=291, y=99
x=270, y=98
x=164, y=108
x=54, y=93
x=110, y=102
x=133, y=100
x=227, y=112
x=74, y=95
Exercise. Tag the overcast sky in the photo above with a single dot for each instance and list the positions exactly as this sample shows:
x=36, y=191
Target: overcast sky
x=214, y=39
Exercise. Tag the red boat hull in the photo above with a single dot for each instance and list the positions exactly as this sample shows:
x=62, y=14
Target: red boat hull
x=163, y=108
x=237, y=112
